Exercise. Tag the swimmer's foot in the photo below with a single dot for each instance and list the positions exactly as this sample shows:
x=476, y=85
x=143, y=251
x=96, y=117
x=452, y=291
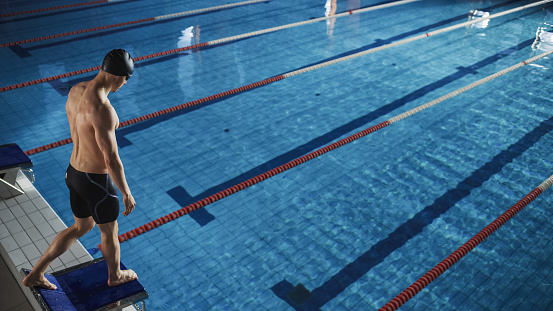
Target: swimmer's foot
x=124, y=277
x=41, y=282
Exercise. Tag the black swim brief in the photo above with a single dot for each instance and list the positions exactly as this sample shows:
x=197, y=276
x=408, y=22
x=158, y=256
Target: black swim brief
x=92, y=195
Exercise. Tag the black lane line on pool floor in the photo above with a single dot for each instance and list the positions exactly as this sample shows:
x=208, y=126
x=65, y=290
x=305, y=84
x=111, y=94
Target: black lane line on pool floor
x=183, y=198
x=301, y=298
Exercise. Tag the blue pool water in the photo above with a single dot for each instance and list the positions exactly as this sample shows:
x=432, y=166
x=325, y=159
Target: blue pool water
x=355, y=226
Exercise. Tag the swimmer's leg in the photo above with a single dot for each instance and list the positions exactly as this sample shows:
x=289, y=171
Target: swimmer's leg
x=112, y=254
x=60, y=245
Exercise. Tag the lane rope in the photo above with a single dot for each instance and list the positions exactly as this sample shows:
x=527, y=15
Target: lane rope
x=262, y=82
x=57, y=8
x=273, y=172
x=150, y=19
x=200, y=45
x=452, y=259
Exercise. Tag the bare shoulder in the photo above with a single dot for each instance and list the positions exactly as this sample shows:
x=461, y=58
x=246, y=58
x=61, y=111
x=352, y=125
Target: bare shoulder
x=88, y=101
x=78, y=89
x=105, y=115
x=78, y=94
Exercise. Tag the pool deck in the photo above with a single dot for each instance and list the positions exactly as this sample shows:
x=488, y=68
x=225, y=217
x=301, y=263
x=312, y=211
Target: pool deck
x=27, y=227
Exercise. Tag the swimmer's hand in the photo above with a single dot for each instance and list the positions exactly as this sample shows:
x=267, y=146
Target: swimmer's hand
x=129, y=203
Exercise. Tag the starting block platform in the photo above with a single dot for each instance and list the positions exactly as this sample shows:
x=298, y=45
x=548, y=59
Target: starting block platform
x=84, y=288
x=12, y=160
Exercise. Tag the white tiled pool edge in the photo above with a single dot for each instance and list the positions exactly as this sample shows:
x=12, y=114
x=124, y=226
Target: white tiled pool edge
x=27, y=227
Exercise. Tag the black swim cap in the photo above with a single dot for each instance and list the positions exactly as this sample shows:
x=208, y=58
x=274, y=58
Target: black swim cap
x=118, y=62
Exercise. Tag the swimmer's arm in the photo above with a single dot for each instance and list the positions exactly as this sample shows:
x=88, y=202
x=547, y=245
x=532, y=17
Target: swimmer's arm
x=105, y=124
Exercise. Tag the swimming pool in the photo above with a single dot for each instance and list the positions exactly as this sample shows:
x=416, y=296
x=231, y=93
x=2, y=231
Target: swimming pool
x=391, y=205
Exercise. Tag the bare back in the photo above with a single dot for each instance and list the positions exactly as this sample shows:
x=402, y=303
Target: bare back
x=91, y=117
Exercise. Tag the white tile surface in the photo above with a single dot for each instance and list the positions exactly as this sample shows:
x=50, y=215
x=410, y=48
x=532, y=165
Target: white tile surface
x=49, y=239
x=78, y=250
x=48, y=214
x=32, y=193
x=24, y=183
x=17, y=257
x=3, y=231
x=6, y=215
x=33, y=234
x=67, y=257
x=22, y=239
x=39, y=203
x=31, y=252
x=17, y=211
x=11, y=202
x=42, y=245
x=13, y=226
x=45, y=229
x=57, y=225
x=37, y=218
x=9, y=244
x=21, y=198
x=25, y=222
x=28, y=207
x=57, y=265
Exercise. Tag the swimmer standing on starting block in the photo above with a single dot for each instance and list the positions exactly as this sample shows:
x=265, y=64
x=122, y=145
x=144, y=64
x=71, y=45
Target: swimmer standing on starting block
x=94, y=168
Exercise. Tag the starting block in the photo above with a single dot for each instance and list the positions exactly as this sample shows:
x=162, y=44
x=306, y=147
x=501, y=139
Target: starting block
x=12, y=160
x=84, y=288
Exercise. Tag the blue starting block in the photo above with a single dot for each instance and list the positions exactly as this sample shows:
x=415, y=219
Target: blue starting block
x=12, y=160
x=84, y=288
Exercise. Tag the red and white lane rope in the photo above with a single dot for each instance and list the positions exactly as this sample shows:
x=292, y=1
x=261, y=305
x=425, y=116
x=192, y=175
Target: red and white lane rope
x=452, y=259
x=252, y=181
x=151, y=19
x=57, y=8
x=200, y=45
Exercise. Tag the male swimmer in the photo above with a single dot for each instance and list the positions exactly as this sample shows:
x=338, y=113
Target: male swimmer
x=94, y=168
